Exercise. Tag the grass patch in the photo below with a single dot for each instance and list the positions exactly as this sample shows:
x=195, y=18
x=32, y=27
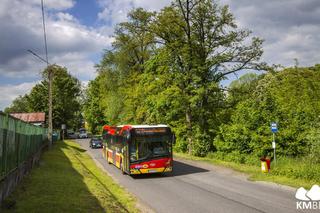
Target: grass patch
x=290, y=172
x=68, y=180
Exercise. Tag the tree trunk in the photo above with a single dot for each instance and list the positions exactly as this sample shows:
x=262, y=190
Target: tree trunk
x=189, y=131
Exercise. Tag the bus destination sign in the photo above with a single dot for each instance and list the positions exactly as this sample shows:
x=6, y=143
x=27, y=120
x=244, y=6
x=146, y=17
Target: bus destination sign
x=150, y=131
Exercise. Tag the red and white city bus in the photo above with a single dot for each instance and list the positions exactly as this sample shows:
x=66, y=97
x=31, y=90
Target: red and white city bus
x=139, y=149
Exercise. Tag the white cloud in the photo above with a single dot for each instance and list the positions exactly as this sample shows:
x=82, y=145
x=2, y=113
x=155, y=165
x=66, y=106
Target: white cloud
x=298, y=42
x=66, y=17
x=52, y=4
x=21, y=29
x=59, y=4
x=21, y=67
x=10, y=92
x=70, y=43
x=290, y=28
x=115, y=11
x=77, y=65
x=151, y=4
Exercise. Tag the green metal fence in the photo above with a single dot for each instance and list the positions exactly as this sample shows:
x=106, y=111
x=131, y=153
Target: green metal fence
x=18, y=141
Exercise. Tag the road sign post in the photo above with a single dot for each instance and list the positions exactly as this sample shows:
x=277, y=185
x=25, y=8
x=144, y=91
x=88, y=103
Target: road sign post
x=63, y=127
x=274, y=129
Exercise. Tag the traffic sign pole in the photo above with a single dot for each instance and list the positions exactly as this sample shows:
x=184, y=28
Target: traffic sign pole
x=63, y=127
x=274, y=148
x=274, y=129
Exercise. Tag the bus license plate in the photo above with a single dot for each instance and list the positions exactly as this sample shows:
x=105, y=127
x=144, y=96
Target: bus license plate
x=152, y=171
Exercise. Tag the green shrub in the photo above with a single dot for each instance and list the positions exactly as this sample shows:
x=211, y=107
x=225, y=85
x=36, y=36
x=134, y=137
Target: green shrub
x=181, y=146
x=202, y=144
x=229, y=157
x=313, y=142
x=299, y=168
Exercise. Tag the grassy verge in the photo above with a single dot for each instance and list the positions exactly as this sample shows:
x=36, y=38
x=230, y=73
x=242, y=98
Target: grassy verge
x=286, y=171
x=68, y=180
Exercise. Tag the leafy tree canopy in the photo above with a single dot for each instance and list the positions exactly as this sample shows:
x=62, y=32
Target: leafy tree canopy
x=290, y=98
x=166, y=67
x=66, y=98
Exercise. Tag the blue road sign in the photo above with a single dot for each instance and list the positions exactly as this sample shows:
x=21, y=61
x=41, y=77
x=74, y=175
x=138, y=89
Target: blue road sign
x=274, y=127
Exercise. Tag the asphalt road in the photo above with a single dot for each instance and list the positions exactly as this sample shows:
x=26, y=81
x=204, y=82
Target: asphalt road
x=199, y=187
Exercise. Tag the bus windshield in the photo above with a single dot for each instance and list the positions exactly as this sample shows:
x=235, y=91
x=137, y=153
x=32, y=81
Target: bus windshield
x=148, y=147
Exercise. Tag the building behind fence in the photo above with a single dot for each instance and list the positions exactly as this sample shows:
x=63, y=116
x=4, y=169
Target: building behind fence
x=20, y=142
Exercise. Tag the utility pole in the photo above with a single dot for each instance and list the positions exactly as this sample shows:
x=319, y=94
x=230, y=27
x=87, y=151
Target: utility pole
x=50, y=77
x=49, y=68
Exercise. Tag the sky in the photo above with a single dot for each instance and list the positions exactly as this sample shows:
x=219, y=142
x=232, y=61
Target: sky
x=78, y=32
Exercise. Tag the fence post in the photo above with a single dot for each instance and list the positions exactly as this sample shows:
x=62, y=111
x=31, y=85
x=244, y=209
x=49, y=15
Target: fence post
x=5, y=153
x=2, y=163
x=18, y=132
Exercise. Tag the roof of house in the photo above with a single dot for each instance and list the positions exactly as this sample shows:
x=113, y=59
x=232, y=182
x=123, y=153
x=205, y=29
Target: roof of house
x=33, y=117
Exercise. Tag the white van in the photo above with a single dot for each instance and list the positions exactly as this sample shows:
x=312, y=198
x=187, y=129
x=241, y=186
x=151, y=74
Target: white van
x=83, y=133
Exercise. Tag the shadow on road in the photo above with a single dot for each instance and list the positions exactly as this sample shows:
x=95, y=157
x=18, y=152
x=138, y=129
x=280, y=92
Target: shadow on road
x=179, y=169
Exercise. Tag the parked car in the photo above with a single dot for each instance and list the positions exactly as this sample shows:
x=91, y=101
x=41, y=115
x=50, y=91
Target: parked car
x=83, y=133
x=95, y=142
x=71, y=134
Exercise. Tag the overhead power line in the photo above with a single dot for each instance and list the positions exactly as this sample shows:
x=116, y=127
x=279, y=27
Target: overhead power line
x=44, y=33
x=36, y=55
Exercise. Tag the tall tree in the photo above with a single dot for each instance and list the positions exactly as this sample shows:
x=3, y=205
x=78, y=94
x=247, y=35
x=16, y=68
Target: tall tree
x=20, y=104
x=120, y=67
x=204, y=45
x=166, y=67
x=66, y=94
x=93, y=111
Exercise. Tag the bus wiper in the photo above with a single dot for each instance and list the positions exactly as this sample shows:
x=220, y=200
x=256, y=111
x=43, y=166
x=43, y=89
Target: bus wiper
x=144, y=158
x=150, y=156
x=162, y=155
x=153, y=156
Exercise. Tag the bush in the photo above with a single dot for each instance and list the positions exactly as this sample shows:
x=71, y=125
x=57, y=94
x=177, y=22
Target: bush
x=300, y=168
x=181, y=146
x=313, y=142
x=201, y=144
x=236, y=157
x=229, y=157
x=232, y=138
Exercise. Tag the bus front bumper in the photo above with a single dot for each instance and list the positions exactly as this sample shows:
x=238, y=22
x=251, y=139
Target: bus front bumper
x=150, y=170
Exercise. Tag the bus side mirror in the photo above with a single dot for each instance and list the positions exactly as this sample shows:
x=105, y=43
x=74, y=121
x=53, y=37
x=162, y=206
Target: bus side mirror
x=173, y=138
